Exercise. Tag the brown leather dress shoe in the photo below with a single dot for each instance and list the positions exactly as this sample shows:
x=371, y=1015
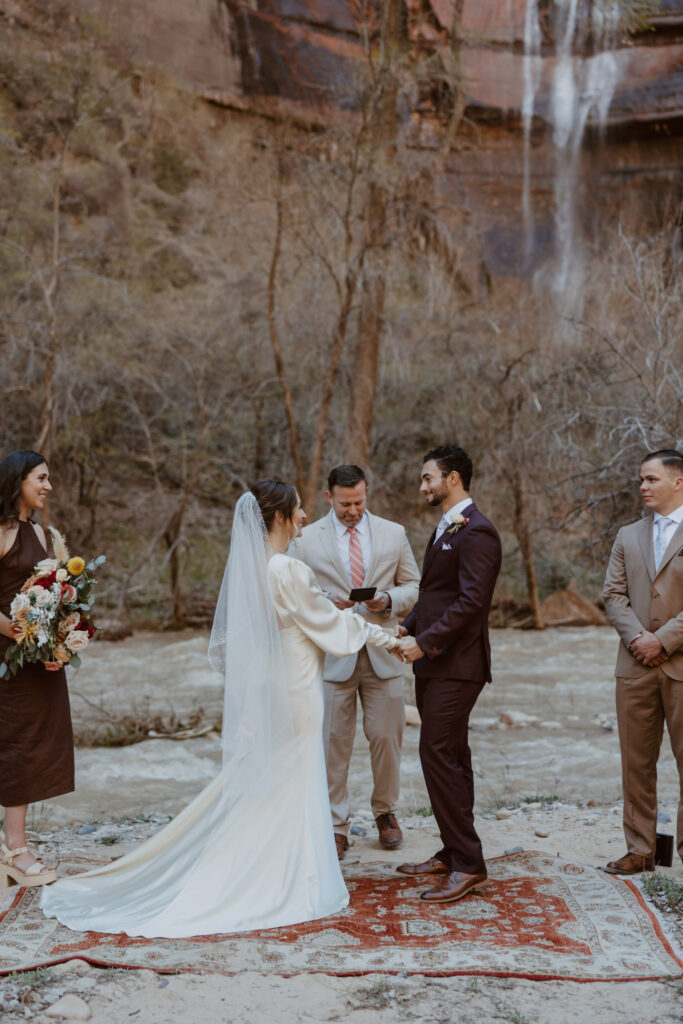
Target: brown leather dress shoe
x=630, y=864
x=456, y=885
x=390, y=835
x=433, y=866
x=342, y=844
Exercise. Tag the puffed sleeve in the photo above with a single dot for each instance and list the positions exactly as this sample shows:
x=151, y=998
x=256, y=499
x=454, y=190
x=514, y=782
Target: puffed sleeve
x=335, y=632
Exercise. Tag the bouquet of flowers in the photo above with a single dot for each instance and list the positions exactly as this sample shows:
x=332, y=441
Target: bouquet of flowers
x=51, y=620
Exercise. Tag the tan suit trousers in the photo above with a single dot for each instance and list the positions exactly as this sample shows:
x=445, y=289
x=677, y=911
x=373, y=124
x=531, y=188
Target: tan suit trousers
x=383, y=719
x=644, y=704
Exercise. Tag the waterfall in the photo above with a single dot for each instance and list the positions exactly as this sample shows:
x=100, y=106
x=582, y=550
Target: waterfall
x=581, y=88
x=533, y=70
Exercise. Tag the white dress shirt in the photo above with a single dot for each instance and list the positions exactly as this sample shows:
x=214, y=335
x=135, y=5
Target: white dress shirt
x=343, y=536
x=446, y=519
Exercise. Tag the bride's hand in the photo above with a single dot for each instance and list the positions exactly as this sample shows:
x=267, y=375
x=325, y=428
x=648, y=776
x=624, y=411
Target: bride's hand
x=395, y=649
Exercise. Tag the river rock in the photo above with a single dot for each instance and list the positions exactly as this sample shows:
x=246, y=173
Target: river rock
x=569, y=608
x=69, y=1007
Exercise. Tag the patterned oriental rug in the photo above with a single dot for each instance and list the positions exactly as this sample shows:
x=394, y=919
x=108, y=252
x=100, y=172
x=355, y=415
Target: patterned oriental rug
x=539, y=918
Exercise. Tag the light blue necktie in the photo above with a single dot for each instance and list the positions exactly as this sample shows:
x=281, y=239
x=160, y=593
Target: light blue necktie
x=661, y=543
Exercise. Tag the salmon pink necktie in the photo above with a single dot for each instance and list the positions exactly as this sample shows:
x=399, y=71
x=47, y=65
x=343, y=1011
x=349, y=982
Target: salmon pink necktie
x=356, y=558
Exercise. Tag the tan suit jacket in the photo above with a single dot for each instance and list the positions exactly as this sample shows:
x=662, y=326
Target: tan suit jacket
x=637, y=598
x=392, y=568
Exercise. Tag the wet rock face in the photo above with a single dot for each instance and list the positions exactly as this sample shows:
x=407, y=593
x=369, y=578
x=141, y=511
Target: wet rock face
x=309, y=57
x=313, y=51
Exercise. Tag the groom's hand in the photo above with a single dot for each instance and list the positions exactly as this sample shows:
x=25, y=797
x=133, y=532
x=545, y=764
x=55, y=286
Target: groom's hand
x=411, y=650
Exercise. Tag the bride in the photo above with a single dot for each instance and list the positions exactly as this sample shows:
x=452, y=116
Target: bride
x=255, y=849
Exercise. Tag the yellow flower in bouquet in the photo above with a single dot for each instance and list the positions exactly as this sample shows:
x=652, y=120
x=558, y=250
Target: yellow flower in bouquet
x=25, y=631
x=45, y=626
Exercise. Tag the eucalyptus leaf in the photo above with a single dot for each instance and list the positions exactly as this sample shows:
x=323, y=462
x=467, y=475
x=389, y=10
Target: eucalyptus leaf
x=75, y=661
x=3, y=670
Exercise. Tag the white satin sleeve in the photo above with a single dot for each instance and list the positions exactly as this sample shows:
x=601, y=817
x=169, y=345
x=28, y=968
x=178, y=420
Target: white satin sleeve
x=298, y=596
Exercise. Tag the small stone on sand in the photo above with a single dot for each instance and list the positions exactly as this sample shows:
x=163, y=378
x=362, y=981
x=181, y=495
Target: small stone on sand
x=69, y=1007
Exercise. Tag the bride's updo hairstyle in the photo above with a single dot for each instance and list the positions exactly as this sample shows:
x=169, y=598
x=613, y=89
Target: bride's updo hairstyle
x=274, y=496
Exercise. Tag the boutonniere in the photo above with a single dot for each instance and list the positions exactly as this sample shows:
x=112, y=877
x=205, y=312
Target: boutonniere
x=457, y=523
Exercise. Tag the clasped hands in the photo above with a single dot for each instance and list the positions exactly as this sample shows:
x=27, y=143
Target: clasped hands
x=647, y=649
x=406, y=649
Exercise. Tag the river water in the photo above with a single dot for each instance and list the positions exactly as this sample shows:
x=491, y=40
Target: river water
x=555, y=687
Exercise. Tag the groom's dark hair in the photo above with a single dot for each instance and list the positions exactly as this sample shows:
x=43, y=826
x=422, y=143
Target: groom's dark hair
x=347, y=475
x=449, y=457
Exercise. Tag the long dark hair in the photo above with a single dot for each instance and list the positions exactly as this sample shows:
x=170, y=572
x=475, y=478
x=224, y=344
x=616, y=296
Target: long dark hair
x=14, y=469
x=274, y=496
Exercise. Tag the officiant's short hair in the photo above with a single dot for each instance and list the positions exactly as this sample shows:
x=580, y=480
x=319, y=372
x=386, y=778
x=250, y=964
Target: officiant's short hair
x=449, y=457
x=347, y=475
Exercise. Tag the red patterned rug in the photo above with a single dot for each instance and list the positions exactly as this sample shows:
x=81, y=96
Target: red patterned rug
x=539, y=918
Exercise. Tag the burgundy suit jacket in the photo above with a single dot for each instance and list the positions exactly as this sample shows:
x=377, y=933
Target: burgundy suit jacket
x=450, y=619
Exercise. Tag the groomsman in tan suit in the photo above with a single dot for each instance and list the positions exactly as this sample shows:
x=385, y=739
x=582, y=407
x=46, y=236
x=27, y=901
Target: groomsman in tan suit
x=643, y=597
x=351, y=548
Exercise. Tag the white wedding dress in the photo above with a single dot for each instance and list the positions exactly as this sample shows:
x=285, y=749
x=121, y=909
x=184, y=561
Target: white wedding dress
x=266, y=856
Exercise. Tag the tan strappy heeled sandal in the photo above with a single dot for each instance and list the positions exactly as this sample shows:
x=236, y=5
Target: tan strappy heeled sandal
x=35, y=874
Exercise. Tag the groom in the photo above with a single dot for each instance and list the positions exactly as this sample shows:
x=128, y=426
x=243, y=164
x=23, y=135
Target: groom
x=451, y=659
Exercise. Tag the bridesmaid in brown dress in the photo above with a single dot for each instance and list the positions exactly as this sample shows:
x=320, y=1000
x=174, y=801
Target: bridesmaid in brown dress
x=36, y=739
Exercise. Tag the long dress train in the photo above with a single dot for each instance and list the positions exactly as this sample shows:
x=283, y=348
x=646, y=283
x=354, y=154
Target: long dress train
x=271, y=859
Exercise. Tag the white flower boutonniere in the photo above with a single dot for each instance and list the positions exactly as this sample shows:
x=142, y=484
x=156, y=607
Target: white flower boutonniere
x=457, y=523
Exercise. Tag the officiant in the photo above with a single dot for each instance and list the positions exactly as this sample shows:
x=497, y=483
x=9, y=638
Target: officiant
x=350, y=549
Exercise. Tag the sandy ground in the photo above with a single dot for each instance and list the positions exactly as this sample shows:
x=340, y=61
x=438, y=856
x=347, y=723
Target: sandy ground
x=556, y=739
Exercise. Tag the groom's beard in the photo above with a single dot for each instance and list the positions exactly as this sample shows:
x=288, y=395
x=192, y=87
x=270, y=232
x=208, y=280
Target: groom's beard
x=436, y=496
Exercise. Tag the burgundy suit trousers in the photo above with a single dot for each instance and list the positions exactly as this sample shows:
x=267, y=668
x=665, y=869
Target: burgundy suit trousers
x=445, y=706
